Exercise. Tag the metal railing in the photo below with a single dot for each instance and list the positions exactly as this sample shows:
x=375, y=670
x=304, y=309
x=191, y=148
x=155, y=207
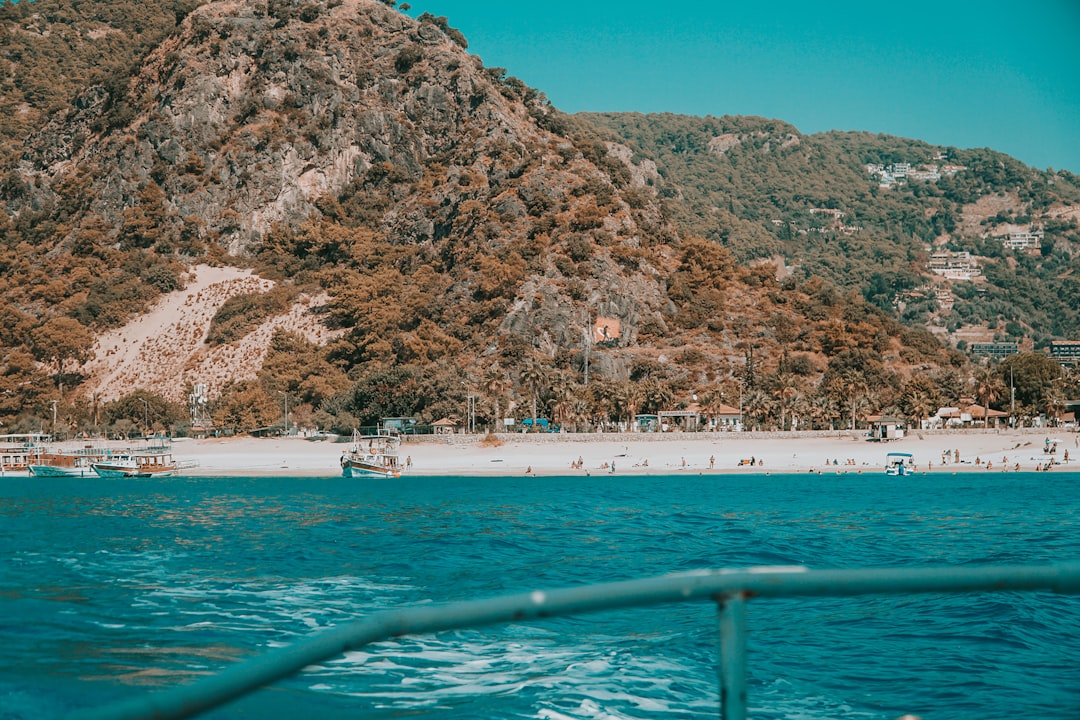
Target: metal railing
x=730, y=589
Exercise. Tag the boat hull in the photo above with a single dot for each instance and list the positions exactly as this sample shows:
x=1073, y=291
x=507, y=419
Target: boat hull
x=354, y=469
x=113, y=470
x=54, y=471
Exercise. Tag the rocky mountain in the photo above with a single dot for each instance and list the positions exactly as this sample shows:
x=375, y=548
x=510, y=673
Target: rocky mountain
x=452, y=232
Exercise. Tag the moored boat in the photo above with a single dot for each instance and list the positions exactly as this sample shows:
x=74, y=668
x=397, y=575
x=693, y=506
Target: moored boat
x=63, y=464
x=372, y=456
x=899, y=463
x=19, y=451
x=150, y=463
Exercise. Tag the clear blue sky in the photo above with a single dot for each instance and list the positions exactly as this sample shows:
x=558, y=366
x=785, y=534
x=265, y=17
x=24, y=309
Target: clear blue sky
x=1003, y=74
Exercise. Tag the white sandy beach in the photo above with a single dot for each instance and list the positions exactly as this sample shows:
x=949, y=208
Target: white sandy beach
x=515, y=454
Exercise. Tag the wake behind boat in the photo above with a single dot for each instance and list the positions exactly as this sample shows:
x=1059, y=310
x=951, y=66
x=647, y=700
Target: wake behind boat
x=372, y=456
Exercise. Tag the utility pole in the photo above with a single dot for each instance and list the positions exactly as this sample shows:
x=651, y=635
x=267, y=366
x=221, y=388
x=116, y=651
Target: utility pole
x=145, y=416
x=1012, y=401
x=285, y=430
x=54, y=417
x=588, y=344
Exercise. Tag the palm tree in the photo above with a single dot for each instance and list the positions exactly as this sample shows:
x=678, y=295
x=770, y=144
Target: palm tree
x=988, y=388
x=757, y=407
x=919, y=399
x=855, y=387
x=784, y=391
x=563, y=393
x=1055, y=403
x=495, y=383
x=533, y=379
x=626, y=398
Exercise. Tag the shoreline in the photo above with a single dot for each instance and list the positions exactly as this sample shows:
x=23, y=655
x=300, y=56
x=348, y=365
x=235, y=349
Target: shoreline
x=642, y=453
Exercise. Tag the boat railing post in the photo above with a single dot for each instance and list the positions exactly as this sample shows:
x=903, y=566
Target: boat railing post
x=732, y=607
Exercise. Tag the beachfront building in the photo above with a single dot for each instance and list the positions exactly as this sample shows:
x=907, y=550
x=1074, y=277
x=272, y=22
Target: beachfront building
x=444, y=426
x=967, y=415
x=885, y=428
x=692, y=418
x=646, y=422
x=726, y=418
x=688, y=418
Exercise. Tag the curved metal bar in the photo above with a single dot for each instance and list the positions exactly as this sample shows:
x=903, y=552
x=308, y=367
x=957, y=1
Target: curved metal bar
x=187, y=700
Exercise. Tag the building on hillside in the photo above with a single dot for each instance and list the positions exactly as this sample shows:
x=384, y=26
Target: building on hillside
x=926, y=173
x=1019, y=237
x=944, y=298
x=836, y=214
x=954, y=265
x=994, y=350
x=1066, y=352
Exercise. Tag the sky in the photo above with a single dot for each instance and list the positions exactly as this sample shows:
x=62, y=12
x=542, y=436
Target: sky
x=1003, y=74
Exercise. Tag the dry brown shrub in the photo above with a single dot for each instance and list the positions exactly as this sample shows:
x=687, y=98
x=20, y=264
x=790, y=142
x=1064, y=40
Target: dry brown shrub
x=490, y=440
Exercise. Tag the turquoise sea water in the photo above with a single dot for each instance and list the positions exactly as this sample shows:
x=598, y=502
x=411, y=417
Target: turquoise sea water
x=114, y=588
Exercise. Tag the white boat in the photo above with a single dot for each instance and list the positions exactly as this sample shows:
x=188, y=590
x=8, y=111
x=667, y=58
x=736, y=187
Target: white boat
x=372, y=456
x=899, y=463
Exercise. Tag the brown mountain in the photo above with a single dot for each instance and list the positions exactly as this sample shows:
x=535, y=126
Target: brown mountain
x=462, y=232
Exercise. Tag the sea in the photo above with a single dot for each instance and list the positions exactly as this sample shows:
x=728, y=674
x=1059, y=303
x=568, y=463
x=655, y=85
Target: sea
x=113, y=589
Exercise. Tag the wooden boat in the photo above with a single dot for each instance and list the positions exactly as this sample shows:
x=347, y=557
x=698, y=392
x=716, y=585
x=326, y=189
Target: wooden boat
x=372, y=456
x=150, y=463
x=73, y=463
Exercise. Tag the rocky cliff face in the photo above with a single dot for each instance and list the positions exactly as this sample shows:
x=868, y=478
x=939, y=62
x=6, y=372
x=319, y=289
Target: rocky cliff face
x=259, y=115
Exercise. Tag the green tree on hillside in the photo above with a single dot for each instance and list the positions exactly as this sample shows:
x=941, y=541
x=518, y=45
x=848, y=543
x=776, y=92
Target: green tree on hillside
x=59, y=341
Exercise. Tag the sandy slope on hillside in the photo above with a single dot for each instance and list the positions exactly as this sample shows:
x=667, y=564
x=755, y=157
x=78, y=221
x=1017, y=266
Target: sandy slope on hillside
x=165, y=350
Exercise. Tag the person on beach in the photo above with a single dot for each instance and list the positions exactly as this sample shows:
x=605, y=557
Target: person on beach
x=712, y=460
